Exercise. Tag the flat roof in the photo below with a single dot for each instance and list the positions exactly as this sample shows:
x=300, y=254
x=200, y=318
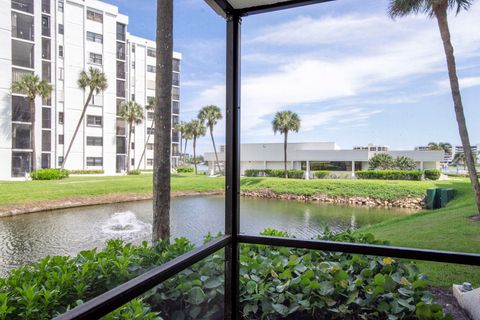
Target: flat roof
x=249, y=7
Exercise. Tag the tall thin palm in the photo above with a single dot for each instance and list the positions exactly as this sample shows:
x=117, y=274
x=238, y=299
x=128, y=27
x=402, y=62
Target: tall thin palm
x=95, y=81
x=210, y=115
x=180, y=128
x=284, y=122
x=198, y=130
x=148, y=107
x=187, y=135
x=163, y=121
x=32, y=86
x=439, y=9
x=133, y=114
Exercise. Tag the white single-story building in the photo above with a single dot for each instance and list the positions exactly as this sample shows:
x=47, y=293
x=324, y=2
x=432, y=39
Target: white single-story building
x=316, y=156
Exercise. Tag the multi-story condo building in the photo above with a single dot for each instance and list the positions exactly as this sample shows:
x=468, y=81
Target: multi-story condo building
x=372, y=147
x=447, y=158
x=57, y=39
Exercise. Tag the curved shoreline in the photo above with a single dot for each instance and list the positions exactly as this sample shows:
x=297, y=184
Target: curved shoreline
x=84, y=201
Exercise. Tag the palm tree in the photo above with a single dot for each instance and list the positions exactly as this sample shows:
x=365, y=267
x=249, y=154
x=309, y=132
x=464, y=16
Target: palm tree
x=148, y=107
x=210, y=115
x=439, y=9
x=133, y=114
x=96, y=82
x=459, y=158
x=187, y=135
x=198, y=130
x=284, y=122
x=32, y=86
x=180, y=128
x=163, y=121
x=443, y=146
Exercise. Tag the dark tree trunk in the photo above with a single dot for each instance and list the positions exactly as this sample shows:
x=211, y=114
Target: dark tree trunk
x=145, y=146
x=32, y=135
x=180, y=145
x=215, y=149
x=77, y=128
x=194, y=153
x=441, y=15
x=129, y=145
x=285, y=153
x=163, y=121
x=185, y=151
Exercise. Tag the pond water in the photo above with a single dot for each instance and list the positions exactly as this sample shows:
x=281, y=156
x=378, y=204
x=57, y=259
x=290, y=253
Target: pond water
x=29, y=237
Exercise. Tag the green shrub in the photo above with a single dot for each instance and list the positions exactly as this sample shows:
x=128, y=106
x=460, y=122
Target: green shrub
x=275, y=282
x=405, y=163
x=432, y=174
x=134, y=172
x=184, y=169
x=390, y=174
x=49, y=174
x=279, y=173
x=321, y=174
x=381, y=161
x=86, y=171
x=254, y=173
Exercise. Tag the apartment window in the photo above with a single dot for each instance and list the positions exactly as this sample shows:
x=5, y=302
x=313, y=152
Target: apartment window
x=22, y=26
x=150, y=130
x=94, y=37
x=175, y=150
x=132, y=161
x=23, y=54
x=175, y=120
x=61, y=118
x=133, y=47
x=149, y=162
x=121, y=88
x=45, y=160
x=94, y=161
x=121, y=127
x=151, y=68
x=61, y=74
x=21, y=163
x=176, y=107
x=176, y=93
x=121, y=145
x=94, y=141
x=95, y=16
x=176, y=79
x=121, y=30
x=46, y=140
x=23, y=5
x=60, y=161
x=21, y=138
x=133, y=97
x=151, y=52
x=60, y=51
x=176, y=65
x=60, y=29
x=45, y=26
x=20, y=109
x=151, y=116
x=149, y=146
x=60, y=139
x=46, y=71
x=175, y=136
x=121, y=51
x=94, y=121
x=46, y=118
x=46, y=6
x=95, y=58
x=60, y=6
x=46, y=49
x=133, y=64
x=47, y=101
x=120, y=69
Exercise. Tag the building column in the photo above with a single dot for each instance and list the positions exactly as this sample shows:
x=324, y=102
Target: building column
x=307, y=171
x=264, y=165
x=421, y=165
x=353, y=169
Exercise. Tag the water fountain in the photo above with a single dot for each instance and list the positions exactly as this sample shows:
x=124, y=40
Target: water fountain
x=124, y=223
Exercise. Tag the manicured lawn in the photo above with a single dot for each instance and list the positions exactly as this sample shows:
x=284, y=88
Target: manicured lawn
x=444, y=229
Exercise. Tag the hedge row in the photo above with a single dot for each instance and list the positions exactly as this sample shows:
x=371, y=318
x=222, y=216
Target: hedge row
x=274, y=173
x=86, y=171
x=184, y=169
x=134, y=172
x=432, y=174
x=49, y=174
x=390, y=174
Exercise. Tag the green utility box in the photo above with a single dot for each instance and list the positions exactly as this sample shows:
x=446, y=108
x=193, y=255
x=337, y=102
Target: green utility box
x=439, y=197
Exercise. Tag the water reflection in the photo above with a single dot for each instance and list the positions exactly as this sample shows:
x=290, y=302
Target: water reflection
x=30, y=237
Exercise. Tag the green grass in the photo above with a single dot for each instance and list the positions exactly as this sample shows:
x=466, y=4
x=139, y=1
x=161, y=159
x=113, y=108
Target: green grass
x=443, y=229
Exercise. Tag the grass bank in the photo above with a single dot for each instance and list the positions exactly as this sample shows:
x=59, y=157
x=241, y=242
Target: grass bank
x=443, y=229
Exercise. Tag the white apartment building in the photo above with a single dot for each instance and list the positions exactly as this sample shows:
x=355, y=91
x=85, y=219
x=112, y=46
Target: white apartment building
x=56, y=40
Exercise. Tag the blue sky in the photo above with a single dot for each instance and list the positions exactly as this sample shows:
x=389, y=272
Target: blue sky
x=353, y=75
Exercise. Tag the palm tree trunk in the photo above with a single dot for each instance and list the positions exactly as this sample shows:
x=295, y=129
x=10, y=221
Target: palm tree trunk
x=145, y=146
x=163, y=121
x=215, y=149
x=180, y=145
x=129, y=145
x=32, y=135
x=194, y=153
x=285, y=154
x=185, y=152
x=441, y=15
x=77, y=128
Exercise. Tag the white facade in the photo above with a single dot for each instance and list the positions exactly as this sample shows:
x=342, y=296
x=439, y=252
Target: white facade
x=306, y=155
x=56, y=40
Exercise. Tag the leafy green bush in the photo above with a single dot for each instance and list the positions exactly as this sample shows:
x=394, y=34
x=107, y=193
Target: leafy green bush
x=405, y=163
x=279, y=173
x=381, y=161
x=321, y=174
x=86, y=171
x=275, y=282
x=254, y=173
x=184, y=169
x=390, y=174
x=134, y=172
x=432, y=174
x=49, y=174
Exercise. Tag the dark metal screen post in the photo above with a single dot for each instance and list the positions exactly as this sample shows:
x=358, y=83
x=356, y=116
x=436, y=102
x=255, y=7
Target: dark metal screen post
x=232, y=167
